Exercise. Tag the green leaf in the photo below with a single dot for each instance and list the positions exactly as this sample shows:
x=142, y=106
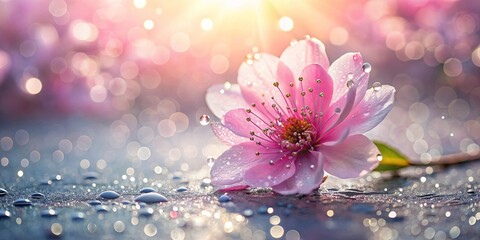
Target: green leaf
x=392, y=159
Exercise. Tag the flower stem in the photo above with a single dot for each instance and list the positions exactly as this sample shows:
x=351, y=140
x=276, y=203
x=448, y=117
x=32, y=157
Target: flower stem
x=449, y=159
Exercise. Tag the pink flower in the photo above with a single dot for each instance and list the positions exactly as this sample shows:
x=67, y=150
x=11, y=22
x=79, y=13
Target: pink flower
x=289, y=119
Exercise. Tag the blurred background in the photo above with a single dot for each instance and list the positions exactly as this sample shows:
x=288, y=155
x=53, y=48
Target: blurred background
x=134, y=73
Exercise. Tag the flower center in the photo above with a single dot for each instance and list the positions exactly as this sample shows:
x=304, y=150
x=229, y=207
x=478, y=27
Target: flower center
x=296, y=134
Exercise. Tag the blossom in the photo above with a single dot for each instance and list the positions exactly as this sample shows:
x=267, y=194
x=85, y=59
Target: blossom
x=291, y=119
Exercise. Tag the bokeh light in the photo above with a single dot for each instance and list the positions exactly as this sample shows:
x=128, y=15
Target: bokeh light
x=33, y=86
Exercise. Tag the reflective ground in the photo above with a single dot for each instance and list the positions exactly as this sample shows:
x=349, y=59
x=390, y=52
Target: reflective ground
x=64, y=169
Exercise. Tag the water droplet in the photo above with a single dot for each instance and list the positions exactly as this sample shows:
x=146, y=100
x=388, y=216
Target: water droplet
x=350, y=83
x=247, y=213
x=4, y=214
x=204, y=120
x=47, y=213
x=227, y=85
x=45, y=182
x=151, y=198
x=293, y=42
x=366, y=67
x=249, y=61
x=56, y=178
x=271, y=162
x=379, y=157
x=206, y=182
x=109, y=195
x=182, y=189
x=90, y=176
x=210, y=161
x=145, y=212
x=78, y=216
x=376, y=86
x=443, y=117
x=126, y=202
x=22, y=202
x=308, y=37
x=224, y=198
x=349, y=76
x=338, y=110
x=147, y=190
x=101, y=208
x=37, y=196
x=356, y=57
x=94, y=202
x=3, y=192
x=288, y=166
x=312, y=166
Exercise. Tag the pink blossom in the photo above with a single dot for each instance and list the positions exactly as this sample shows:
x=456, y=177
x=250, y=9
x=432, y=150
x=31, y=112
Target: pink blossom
x=290, y=119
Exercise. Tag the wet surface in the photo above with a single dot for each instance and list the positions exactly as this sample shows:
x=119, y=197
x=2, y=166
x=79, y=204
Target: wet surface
x=101, y=191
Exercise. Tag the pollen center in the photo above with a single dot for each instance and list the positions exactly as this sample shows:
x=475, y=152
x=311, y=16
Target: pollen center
x=297, y=133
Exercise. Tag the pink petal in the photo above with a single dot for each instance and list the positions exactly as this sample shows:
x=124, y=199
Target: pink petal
x=226, y=135
x=354, y=157
x=338, y=112
x=370, y=111
x=236, y=121
x=350, y=64
x=303, y=53
x=320, y=95
x=267, y=175
x=229, y=169
x=306, y=178
x=257, y=82
x=220, y=100
x=335, y=136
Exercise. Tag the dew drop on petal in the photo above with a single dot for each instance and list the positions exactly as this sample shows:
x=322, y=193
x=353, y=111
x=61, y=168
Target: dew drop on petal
x=338, y=110
x=350, y=83
x=366, y=67
x=204, y=120
x=376, y=86
x=312, y=166
x=210, y=161
x=379, y=157
x=288, y=166
x=271, y=162
x=350, y=76
x=227, y=85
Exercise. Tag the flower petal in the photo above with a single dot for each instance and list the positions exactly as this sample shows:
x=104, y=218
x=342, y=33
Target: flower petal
x=236, y=121
x=220, y=100
x=306, y=178
x=348, y=67
x=317, y=94
x=304, y=53
x=226, y=135
x=229, y=169
x=257, y=79
x=371, y=111
x=354, y=157
x=266, y=175
x=338, y=112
